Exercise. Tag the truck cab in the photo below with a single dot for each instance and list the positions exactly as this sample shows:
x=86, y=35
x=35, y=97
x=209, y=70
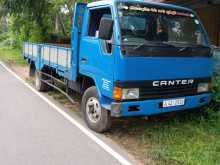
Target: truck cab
x=145, y=58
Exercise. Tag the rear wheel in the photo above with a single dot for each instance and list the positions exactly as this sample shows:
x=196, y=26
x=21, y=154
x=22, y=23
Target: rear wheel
x=32, y=69
x=40, y=85
x=97, y=118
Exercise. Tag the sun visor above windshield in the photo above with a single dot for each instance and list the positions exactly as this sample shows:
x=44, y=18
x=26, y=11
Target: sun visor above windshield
x=158, y=10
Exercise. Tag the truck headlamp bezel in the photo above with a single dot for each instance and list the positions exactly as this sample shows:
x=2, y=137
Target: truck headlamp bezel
x=130, y=94
x=204, y=87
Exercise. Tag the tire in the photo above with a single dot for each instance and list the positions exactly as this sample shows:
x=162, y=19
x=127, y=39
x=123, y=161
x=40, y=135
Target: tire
x=40, y=86
x=32, y=69
x=96, y=118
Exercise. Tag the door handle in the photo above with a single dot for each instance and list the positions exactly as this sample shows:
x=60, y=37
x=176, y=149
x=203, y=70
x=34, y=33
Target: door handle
x=84, y=60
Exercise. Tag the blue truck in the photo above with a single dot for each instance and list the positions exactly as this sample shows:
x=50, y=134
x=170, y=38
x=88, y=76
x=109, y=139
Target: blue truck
x=128, y=58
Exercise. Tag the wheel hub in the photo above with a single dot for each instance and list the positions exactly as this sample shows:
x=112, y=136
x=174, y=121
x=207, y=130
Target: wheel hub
x=93, y=109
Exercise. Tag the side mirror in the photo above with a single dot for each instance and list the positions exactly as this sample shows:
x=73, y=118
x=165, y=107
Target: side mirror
x=106, y=28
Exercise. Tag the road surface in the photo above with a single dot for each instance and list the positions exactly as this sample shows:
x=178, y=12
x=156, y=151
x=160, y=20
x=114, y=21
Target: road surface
x=32, y=133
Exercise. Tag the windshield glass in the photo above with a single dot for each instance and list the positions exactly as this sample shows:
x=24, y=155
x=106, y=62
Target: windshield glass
x=142, y=24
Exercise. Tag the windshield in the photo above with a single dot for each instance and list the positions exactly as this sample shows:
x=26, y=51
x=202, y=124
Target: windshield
x=142, y=24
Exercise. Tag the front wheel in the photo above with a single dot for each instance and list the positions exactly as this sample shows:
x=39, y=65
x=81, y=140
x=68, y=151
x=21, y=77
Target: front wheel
x=97, y=118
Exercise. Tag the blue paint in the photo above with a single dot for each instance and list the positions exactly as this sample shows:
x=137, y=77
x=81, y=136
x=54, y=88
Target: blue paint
x=159, y=68
x=150, y=107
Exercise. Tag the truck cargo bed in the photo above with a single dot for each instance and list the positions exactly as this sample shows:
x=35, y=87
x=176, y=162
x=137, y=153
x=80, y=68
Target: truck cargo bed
x=56, y=57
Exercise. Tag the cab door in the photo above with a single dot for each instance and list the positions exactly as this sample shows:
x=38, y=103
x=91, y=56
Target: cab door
x=96, y=57
x=76, y=34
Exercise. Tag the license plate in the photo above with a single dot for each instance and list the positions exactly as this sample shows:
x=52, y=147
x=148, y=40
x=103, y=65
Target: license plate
x=173, y=103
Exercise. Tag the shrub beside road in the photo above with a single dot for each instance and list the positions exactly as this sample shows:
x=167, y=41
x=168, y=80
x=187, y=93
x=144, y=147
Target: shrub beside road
x=11, y=55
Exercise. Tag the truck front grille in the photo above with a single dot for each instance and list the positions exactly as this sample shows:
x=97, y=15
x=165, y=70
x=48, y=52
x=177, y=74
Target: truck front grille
x=167, y=92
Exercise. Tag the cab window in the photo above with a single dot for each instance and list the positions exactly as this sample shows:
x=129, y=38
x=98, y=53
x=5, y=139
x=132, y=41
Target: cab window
x=93, y=27
x=95, y=18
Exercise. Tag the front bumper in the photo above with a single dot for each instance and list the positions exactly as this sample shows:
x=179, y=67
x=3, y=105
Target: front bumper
x=151, y=107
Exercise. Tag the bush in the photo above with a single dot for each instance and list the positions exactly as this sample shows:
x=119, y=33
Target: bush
x=3, y=36
x=10, y=43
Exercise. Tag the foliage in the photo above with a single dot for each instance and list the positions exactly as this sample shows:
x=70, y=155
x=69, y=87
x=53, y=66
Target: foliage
x=38, y=21
x=11, y=55
x=214, y=107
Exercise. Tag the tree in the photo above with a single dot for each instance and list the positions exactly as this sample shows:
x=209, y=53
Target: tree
x=45, y=18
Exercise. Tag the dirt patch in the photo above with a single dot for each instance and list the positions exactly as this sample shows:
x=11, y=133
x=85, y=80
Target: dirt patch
x=21, y=70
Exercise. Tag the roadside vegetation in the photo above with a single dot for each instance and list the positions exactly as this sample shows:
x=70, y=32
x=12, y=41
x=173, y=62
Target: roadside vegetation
x=181, y=138
x=187, y=138
x=11, y=55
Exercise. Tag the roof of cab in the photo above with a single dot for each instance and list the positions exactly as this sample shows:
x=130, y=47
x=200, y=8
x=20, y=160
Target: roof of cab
x=101, y=3
x=111, y=2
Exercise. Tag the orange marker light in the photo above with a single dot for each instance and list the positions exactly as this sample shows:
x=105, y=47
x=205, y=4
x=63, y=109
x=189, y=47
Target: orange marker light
x=117, y=93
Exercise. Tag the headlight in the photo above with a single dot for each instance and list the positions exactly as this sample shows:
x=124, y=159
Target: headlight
x=132, y=93
x=125, y=94
x=204, y=87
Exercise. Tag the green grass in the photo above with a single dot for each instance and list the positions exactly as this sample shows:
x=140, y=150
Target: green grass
x=12, y=55
x=186, y=142
x=188, y=138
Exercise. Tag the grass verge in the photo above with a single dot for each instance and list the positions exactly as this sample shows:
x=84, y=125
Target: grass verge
x=186, y=138
x=11, y=55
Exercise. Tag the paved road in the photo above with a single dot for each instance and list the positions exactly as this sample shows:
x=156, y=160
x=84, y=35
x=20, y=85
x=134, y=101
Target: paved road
x=32, y=133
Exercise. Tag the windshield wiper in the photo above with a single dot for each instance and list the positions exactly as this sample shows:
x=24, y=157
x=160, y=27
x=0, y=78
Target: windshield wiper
x=152, y=43
x=186, y=44
x=187, y=47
